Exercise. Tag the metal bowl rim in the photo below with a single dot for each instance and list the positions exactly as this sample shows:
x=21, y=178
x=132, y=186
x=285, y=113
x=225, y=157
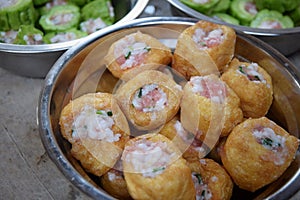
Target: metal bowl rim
x=43, y=110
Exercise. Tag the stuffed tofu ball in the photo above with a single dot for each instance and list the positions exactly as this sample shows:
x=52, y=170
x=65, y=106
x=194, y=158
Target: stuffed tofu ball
x=154, y=169
x=209, y=108
x=257, y=152
x=114, y=182
x=211, y=180
x=97, y=130
x=203, y=49
x=252, y=84
x=135, y=53
x=150, y=99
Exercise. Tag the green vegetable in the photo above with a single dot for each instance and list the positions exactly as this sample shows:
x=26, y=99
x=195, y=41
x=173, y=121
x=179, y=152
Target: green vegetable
x=127, y=55
x=271, y=19
x=29, y=35
x=102, y=112
x=158, y=169
x=201, y=7
x=43, y=10
x=198, y=176
x=278, y=5
x=244, y=10
x=140, y=93
x=13, y=14
x=40, y=2
x=96, y=9
x=226, y=18
x=267, y=142
x=60, y=18
x=109, y=113
x=295, y=15
x=64, y=36
x=8, y=36
x=241, y=69
x=221, y=6
x=99, y=112
x=79, y=2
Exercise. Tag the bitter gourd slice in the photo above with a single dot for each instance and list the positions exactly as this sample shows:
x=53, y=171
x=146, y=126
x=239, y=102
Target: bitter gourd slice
x=8, y=36
x=96, y=9
x=79, y=3
x=271, y=19
x=43, y=10
x=15, y=13
x=226, y=18
x=29, y=35
x=278, y=5
x=295, y=15
x=221, y=6
x=68, y=35
x=60, y=18
x=203, y=6
x=40, y=2
x=243, y=10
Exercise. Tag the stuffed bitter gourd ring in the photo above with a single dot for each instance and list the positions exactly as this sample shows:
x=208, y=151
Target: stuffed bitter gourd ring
x=201, y=6
x=60, y=18
x=40, y=2
x=243, y=10
x=79, y=2
x=271, y=19
x=68, y=35
x=14, y=13
x=98, y=9
x=226, y=18
x=29, y=35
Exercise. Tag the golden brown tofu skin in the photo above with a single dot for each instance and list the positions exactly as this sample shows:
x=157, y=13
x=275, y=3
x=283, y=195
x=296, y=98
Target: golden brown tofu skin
x=97, y=129
x=114, y=182
x=211, y=180
x=209, y=108
x=135, y=53
x=203, y=49
x=188, y=144
x=154, y=169
x=252, y=84
x=150, y=99
x=257, y=152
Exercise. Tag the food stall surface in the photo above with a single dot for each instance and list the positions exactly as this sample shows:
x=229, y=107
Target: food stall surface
x=26, y=171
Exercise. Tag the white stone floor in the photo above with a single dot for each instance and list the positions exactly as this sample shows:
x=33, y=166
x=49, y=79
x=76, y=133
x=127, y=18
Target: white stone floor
x=26, y=171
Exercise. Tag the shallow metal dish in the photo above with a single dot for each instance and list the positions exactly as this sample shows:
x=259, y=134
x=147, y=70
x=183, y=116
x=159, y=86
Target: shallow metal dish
x=284, y=40
x=80, y=70
x=36, y=60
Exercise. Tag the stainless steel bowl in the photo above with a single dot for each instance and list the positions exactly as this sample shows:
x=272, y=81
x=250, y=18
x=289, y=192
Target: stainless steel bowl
x=284, y=40
x=36, y=60
x=80, y=70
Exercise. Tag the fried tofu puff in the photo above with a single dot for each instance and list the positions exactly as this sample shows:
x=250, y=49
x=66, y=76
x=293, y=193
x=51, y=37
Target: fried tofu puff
x=135, y=53
x=203, y=49
x=209, y=108
x=211, y=180
x=150, y=99
x=154, y=169
x=114, y=182
x=252, y=84
x=188, y=144
x=97, y=129
x=257, y=152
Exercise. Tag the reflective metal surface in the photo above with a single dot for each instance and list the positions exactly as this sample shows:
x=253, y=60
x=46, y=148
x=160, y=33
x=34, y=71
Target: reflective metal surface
x=78, y=70
x=36, y=60
x=284, y=40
